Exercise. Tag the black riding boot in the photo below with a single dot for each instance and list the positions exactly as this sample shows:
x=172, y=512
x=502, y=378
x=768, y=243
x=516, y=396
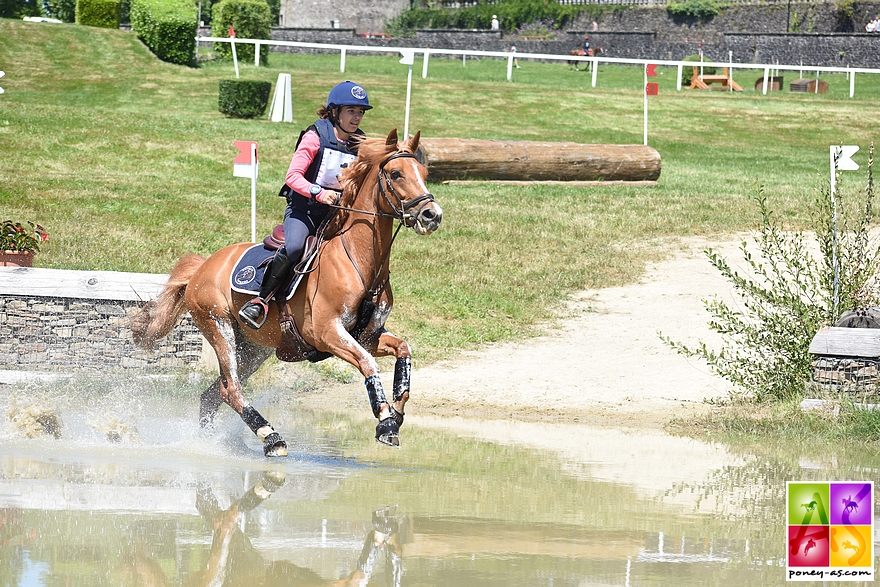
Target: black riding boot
x=254, y=312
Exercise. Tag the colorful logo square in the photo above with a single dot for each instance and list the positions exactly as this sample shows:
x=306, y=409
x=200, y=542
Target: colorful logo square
x=830, y=531
x=808, y=546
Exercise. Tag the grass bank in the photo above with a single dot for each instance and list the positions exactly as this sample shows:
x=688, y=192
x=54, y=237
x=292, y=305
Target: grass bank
x=841, y=421
x=127, y=161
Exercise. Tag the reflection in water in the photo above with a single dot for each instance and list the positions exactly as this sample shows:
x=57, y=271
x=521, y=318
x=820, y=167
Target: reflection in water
x=233, y=560
x=475, y=503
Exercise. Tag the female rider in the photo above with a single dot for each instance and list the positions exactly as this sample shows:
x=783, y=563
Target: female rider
x=322, y=151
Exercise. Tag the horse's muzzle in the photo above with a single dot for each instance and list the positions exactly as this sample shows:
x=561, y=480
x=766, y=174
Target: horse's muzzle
x=427, y=218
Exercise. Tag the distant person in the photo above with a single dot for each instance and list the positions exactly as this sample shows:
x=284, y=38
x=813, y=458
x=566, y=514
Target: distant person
x=871, y=27
x=495, y=24
x=587, y=45
x=513, y=50
x=877, y=25
x=595, y=26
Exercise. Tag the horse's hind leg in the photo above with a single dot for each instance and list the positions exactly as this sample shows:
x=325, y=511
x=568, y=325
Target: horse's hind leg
x=238, y=360
x=250, y=358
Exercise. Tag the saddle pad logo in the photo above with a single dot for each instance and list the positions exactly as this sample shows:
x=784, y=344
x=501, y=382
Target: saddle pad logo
x=245, y=276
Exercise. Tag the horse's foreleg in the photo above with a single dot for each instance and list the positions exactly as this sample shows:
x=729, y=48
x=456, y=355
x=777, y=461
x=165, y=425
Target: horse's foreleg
x=390, y=345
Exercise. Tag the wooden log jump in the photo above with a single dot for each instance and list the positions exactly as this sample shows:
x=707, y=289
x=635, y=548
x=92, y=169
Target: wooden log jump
x=449, y=159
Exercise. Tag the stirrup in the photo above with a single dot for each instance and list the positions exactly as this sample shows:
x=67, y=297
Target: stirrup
x=248, y=320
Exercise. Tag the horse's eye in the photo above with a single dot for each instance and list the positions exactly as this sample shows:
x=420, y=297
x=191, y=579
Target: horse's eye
x=396, y=174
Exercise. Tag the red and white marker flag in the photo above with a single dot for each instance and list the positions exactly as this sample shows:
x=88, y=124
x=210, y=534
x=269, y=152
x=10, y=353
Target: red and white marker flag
x=841, y=158
x=651, y=89
x=245, y=165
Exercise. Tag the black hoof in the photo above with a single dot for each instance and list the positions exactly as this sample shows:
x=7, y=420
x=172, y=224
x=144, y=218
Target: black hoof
x=387, y=432
x=274, y=446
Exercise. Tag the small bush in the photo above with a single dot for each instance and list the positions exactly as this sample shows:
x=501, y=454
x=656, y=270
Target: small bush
x=63, y=10
x=687, y=72
x=167, y=27
x=696, y=9
x=98, y=13
x=251, y=19
x=767, y=337
x=244, y=98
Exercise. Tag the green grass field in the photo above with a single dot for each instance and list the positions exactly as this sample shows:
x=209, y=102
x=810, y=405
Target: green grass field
x=128, y=163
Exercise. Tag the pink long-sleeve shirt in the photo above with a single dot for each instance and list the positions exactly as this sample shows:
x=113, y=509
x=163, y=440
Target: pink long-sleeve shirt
x=302, y=159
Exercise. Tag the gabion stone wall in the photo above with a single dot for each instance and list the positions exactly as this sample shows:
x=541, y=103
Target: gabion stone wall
x=52, y=319
x=85, y=334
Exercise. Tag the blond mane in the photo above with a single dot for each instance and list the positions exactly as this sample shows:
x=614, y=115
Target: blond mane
x=371, y=153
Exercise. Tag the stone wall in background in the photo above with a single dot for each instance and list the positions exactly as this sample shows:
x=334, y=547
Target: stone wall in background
x=364, y=15
x=822, y=49
x=753, y=33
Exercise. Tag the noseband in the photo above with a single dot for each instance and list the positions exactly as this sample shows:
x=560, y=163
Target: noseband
x=401, y=210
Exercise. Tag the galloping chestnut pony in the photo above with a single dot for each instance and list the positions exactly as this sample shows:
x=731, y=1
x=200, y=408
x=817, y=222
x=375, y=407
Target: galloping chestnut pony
x=339, y=308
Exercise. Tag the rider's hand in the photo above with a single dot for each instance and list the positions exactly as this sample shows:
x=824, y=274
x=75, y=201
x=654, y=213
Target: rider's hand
x=328, y=197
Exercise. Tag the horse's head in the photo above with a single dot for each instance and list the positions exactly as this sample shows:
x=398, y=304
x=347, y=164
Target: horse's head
x=400, y=190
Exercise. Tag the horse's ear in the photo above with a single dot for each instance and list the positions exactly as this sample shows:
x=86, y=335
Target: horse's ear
x=414, y=142
x=392, y=138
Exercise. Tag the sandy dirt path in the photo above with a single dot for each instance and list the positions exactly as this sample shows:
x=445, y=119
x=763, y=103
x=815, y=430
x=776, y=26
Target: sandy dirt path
x=601, y=363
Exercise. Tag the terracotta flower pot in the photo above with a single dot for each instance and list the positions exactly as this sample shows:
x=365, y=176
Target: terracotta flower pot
x=16, y=258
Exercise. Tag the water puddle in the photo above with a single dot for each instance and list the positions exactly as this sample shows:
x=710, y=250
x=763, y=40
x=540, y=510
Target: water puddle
x=464, y=502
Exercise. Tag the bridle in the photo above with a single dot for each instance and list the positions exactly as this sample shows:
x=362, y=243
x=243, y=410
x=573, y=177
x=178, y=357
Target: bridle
x=401, y=210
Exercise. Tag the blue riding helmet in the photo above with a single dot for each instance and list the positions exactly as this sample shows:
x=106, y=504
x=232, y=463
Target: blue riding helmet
x=348, y=94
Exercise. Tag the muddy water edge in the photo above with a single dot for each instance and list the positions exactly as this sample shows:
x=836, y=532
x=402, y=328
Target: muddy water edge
x=132, y=493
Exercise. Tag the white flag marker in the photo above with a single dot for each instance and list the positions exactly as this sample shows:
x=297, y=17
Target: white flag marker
x=841, y=158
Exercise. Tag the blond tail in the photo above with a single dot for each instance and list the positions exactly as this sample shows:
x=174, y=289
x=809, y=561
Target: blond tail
x=156, y=319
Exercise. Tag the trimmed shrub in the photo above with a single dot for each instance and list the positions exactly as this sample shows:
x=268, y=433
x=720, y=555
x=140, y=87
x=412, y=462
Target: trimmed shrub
x=695, y=9
x=241, y=98
x=99, y=13
x=251, y=19
x=167, y=27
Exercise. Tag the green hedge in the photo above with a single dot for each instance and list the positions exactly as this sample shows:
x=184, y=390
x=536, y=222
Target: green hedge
x=251, y=19
x=99, y=13
x=687, y=72
x=513, y=14
x=64, y=10
x=167, y=27
x=241, y=98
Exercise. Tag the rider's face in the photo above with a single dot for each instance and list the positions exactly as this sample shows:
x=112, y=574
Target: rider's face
x=350, y=118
